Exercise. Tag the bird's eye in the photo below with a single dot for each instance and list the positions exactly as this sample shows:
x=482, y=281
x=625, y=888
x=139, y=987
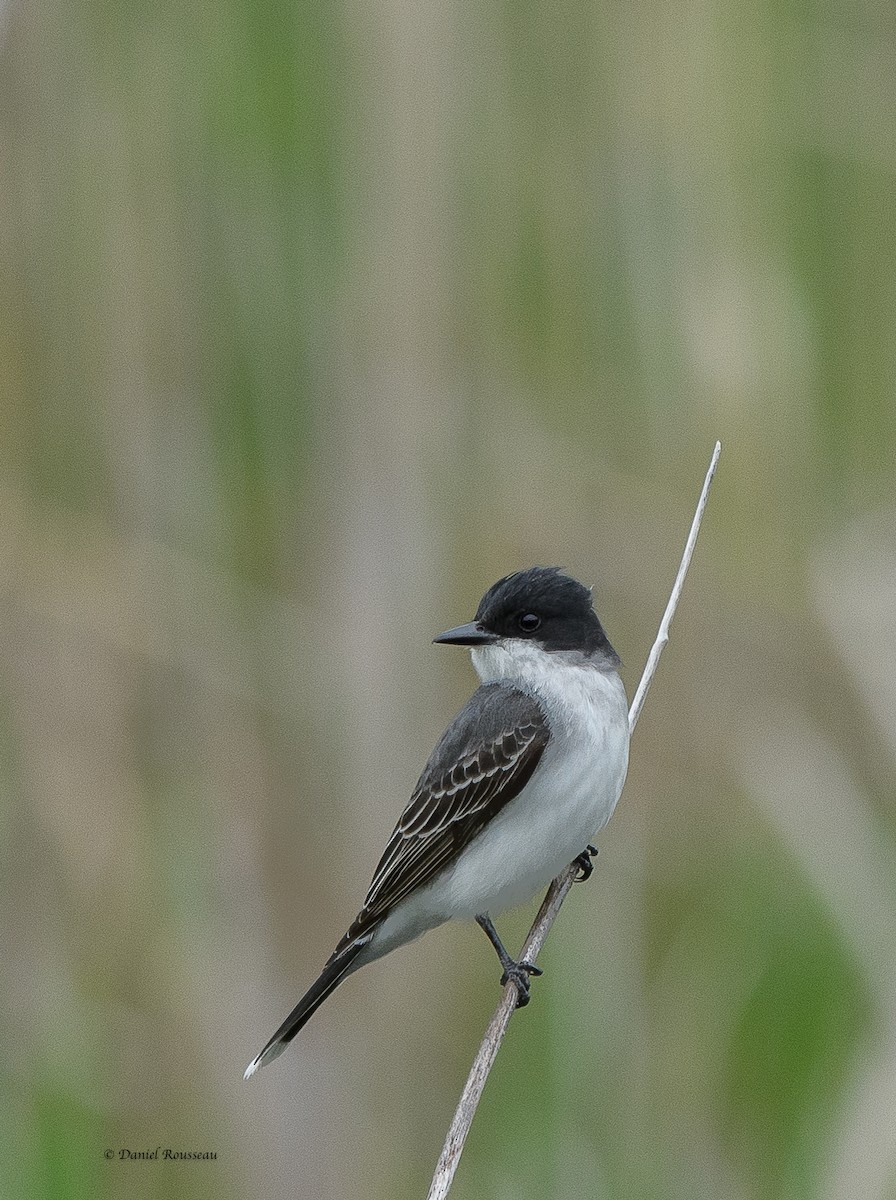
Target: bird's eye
x=528, y=622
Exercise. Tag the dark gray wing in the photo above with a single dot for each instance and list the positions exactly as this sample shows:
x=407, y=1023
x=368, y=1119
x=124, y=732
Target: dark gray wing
x=485, y=758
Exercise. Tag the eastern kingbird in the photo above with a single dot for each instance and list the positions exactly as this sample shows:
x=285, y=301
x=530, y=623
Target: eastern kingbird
x=522, y=779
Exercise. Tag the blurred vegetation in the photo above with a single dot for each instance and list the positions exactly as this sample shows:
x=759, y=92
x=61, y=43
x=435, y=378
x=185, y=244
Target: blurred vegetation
x=316, y=320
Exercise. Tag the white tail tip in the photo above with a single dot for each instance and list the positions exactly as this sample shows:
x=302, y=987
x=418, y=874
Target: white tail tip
x=267, y=1055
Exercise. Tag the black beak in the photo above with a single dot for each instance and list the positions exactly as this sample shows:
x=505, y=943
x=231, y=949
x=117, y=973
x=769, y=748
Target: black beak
x=467, y=635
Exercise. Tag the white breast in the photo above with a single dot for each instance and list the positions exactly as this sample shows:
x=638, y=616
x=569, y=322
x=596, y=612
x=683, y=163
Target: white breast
x=573, y=791
x=569, y=798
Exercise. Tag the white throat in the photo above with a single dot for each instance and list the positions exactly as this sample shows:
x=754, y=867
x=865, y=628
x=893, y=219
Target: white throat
x=520, y=661
x=566, y=682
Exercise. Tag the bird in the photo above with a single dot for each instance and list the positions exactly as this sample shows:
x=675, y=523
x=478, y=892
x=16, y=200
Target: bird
x=527, y=773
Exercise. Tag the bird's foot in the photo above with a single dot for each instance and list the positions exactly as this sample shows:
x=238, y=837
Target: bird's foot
x=584, y=863
x=518, y=973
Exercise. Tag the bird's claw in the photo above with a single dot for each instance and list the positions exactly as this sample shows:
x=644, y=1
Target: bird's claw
x=584, y=863
x=518, y=974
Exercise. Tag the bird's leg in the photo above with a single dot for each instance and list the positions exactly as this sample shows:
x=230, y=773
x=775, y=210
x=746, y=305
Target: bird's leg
x=518, y=972
x=584, y=863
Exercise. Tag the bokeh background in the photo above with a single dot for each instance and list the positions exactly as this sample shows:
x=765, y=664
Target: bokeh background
x=316, y=319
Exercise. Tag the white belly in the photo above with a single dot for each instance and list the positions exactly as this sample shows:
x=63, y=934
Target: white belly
x=569, y=798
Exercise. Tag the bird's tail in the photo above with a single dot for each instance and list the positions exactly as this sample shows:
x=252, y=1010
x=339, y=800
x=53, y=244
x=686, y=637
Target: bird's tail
x=332, y=975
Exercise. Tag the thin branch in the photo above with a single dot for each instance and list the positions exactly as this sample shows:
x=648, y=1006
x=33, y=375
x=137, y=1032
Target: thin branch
x=663, y=635
x=494, y=1035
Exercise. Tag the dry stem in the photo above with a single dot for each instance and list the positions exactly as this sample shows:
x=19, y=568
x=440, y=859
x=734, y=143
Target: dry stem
x=494, y=1034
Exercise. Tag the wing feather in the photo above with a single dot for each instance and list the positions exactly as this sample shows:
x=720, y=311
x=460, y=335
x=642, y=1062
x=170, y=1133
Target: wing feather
x=484, y=760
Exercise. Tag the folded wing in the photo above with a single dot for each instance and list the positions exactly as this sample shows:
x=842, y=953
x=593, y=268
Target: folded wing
x=485, y=758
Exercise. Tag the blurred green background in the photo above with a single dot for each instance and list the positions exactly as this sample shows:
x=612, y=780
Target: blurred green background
x=316, y=319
